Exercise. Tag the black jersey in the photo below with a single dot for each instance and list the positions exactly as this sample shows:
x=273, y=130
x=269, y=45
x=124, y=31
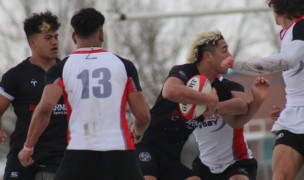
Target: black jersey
x=168, y=129
x=23, y=85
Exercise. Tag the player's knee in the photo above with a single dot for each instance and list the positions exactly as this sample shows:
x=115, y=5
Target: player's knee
x=193, y=178
x=239, y=177
x=150, y=178
x=282, y=176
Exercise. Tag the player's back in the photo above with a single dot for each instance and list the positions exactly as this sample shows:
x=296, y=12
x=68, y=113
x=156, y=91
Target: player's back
x=95, y=82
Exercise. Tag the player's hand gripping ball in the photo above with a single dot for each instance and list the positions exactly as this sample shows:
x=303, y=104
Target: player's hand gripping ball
x=199, y=83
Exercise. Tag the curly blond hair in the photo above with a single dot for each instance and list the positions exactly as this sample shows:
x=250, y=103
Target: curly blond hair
x=204, y=38
x=44, y=27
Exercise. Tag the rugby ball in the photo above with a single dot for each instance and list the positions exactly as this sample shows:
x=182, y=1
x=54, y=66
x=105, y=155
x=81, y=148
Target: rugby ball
x=199, y=83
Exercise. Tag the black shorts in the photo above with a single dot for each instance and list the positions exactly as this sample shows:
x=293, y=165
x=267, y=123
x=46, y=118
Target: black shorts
x=246, y=167
x=43, y=162
x=108, y=165
x=295, y=141
x=163, y=166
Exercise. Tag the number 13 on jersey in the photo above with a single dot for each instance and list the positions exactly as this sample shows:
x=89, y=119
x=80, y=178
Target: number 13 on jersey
x=104, y=87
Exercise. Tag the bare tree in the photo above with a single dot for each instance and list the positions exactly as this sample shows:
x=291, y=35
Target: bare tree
x=154, y=45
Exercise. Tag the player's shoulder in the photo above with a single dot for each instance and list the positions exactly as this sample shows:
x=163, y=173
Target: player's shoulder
x=58, y=67
x=129, y=65
x=123, y=59
x=300, y=22
x=17, y=69
x=223, y=79
x=188, y=70
x=184, y=66
x=298, y=30
x=233, y=85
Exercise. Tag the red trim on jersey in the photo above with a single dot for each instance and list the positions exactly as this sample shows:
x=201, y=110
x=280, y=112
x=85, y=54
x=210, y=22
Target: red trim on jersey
x=67, y=105
x=283, y=31
x=239, y=145
x=89, y=51
x=131, y=86
x=124, y=121
x=299, y=19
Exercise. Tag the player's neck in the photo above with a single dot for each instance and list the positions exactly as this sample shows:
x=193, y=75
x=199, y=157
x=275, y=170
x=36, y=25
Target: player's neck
x=286, y=23
x=88, y=44
x=44, y=64
x=206, y=71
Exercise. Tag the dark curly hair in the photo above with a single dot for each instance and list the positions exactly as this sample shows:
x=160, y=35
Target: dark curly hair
x=87, y=21
x=44, y=21
x=291, y=8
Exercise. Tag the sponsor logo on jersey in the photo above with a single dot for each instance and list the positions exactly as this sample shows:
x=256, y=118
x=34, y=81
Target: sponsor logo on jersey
x=60, y=109
x=192, y=124
x=32, y=107
x=14, y=174
x=214, y=123
x=242, y=171
x=199, y=122
x=144, y=156
x=34, y=82
x=182, y=74
x=280, y=135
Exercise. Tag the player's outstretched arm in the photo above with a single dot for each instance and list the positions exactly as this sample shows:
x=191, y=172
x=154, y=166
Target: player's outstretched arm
x=288, y=58
x=237, y=105
x=259, y=89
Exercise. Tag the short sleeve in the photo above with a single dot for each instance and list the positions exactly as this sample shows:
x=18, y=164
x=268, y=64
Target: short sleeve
x=9, y=84
x=133, y=79
x=298, y=31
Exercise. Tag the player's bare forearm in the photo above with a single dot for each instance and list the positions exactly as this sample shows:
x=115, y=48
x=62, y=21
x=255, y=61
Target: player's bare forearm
x=234, y=106
x=175, y=90
x=39, y=122
x=260, y=89
x=141, y=112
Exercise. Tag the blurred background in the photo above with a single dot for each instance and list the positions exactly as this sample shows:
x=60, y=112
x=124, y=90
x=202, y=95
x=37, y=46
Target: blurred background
x=155, y=35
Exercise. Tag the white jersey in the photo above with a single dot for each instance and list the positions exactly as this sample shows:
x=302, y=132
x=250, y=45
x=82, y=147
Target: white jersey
x=220, y=145
x=290, y=60
x=292, y=117
x=96, y=84
x=293, y=77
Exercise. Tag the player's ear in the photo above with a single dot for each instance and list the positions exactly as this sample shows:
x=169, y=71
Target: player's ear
x=207, y=55
x=101, y=35
x=31, y=42
x=74, y=38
